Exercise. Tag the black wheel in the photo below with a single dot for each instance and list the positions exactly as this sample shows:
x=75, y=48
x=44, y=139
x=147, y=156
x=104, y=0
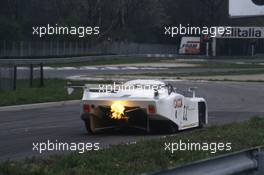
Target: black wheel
x=88, y=126
x=202, y=114
x=87, y=122
x=201, y=124
x=173, y=128
x=163, y=127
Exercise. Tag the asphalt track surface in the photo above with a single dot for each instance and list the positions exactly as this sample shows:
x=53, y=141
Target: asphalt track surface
x=227, y=102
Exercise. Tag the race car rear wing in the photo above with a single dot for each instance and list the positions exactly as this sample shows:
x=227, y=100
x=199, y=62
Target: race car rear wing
x=71, y=87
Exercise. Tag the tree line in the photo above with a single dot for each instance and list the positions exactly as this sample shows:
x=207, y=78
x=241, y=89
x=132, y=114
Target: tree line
x=122, y=20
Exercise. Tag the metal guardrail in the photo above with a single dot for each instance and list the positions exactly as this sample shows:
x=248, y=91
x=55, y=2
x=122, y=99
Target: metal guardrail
x=234, y=163
x=23, y=61
x=61, y=48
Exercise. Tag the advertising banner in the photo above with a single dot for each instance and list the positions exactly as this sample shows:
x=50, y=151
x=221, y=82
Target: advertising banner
x=246, y=8
x=244, y=32
x=190, y=45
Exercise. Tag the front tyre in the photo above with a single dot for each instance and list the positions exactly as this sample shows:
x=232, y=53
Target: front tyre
x=87, y=124
x=202, y=114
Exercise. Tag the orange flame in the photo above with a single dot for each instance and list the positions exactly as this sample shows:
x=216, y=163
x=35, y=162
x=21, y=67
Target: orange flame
x=117, y=110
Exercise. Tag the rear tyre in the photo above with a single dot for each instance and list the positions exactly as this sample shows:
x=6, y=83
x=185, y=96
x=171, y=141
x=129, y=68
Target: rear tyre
x=87, y=124
x=173, y=128
x=163, y=127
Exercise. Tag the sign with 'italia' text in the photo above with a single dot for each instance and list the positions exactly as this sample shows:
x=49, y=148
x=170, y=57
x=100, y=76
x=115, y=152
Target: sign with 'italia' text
x=243, y=32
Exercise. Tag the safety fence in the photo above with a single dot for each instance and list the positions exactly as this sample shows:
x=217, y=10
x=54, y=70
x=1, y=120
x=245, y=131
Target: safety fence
x=14, y=76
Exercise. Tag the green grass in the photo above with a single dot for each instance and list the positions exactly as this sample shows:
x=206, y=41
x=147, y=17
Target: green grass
x=54, y=90
x=144, y=156
x=129, y=60
x=215, y=65
x=206, y=73
x=238, y=57
x=230, y=80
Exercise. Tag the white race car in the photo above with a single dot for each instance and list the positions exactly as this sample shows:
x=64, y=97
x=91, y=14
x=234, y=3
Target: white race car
x=147, y=105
